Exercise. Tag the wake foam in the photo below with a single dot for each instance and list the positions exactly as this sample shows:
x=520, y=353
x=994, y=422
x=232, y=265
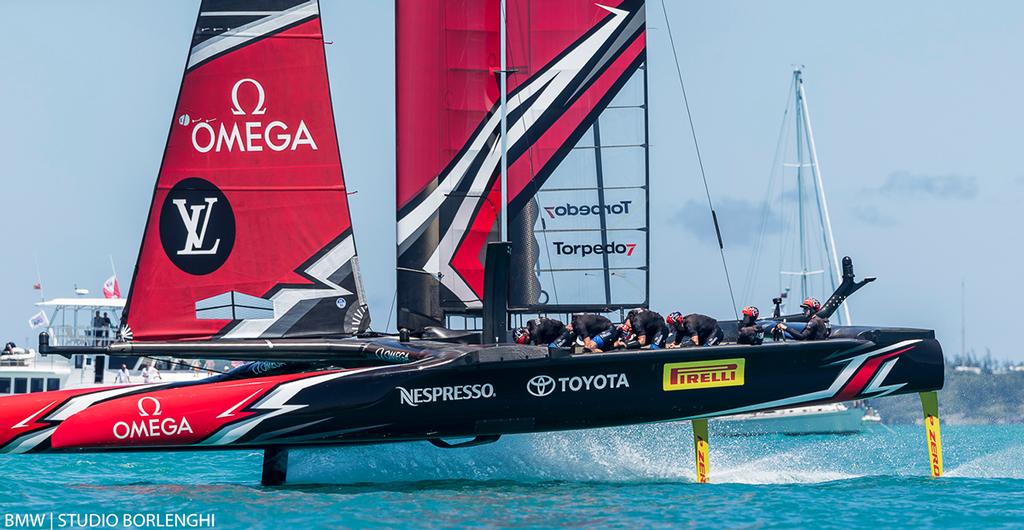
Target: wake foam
x=664, y=453
x=1005, y=463
x=647, y=453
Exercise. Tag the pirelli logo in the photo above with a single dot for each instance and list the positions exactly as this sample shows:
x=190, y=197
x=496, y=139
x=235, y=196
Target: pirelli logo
x=703, y=374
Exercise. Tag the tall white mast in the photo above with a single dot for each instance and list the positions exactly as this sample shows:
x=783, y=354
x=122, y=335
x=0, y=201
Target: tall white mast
x=816, y=171
x=503, y=79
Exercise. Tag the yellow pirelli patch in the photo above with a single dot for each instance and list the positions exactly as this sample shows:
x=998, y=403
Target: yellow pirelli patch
x=703, y=374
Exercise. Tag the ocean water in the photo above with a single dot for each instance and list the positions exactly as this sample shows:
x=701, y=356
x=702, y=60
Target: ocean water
x=630, y=477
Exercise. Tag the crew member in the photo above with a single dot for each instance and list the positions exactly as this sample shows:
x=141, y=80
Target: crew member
x=693, y=330
x=543, y=331
x=643, y=328
x=595, y=331
x=817, y=328
x=750, y=331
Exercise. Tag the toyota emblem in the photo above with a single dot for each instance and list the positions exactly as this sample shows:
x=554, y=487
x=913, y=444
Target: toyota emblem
x=540, y=385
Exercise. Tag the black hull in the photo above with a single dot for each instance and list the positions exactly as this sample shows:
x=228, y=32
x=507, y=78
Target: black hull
x=779, y=375
x=474, y=391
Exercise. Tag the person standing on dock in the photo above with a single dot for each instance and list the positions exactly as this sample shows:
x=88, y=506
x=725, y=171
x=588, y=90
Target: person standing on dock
x=123, y=377
x=150, y=373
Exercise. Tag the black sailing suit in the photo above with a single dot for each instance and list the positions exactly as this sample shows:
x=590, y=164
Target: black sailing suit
x=547, y=332
x=750, y=331
x=650, y=325
x=588, y=325
x=817, y=328
x=703, y=327
x=606, y=339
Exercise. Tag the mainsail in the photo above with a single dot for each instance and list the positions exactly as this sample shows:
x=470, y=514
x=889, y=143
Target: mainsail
x=577, y=154
x=249, y=234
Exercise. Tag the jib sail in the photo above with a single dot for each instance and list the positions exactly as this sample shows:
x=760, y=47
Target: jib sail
x=249, y=234
x=577, y=154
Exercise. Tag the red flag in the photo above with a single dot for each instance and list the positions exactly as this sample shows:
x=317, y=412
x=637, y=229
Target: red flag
x=37, y=286
x=111, y=289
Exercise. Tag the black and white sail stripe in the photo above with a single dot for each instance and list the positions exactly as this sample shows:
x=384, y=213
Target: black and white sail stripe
x=225, y=25
x=329, y=270
x=532, y=109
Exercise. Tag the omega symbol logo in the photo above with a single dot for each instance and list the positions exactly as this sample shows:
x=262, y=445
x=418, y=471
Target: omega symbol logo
x=154, y=409
x=197, y=226
x=540, y=385
x=261, y=95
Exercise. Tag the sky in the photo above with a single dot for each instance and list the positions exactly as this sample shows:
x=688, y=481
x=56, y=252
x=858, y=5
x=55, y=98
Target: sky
x=916, y=108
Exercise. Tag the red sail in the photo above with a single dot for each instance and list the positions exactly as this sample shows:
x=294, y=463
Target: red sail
x=570, y=59
x=249, y=233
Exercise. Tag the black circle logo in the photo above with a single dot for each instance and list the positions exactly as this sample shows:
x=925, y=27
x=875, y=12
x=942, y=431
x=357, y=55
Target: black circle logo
x=197, y=226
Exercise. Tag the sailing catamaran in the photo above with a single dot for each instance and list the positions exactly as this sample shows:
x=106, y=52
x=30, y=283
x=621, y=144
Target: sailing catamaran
x=248, y=252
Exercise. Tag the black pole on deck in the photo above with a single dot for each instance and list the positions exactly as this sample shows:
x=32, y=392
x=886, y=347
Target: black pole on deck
x=495, y=302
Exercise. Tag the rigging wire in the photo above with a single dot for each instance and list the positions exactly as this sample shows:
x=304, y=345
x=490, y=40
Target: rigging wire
x=700, y=162
x=773, y=174
x=391, y=312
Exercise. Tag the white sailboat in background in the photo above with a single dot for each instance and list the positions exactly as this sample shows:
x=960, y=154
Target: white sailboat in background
x=808, y=269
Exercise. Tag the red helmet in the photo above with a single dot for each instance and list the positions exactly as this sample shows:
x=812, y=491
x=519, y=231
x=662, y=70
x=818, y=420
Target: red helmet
x=674, y=318
x=751, y=311
x=811, y=303
x=522, y=335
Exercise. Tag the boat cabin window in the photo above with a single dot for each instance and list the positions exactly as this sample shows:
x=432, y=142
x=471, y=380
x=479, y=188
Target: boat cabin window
x=5, y=385
x=37, y=384
x=52, y=383
x=78, y=361
x=20, y=385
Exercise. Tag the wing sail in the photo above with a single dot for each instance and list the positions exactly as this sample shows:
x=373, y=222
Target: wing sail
x=249, y=234
x=571, y=59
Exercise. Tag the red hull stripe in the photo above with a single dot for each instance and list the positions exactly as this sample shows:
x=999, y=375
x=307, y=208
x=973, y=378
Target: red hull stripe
x=863, y=376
